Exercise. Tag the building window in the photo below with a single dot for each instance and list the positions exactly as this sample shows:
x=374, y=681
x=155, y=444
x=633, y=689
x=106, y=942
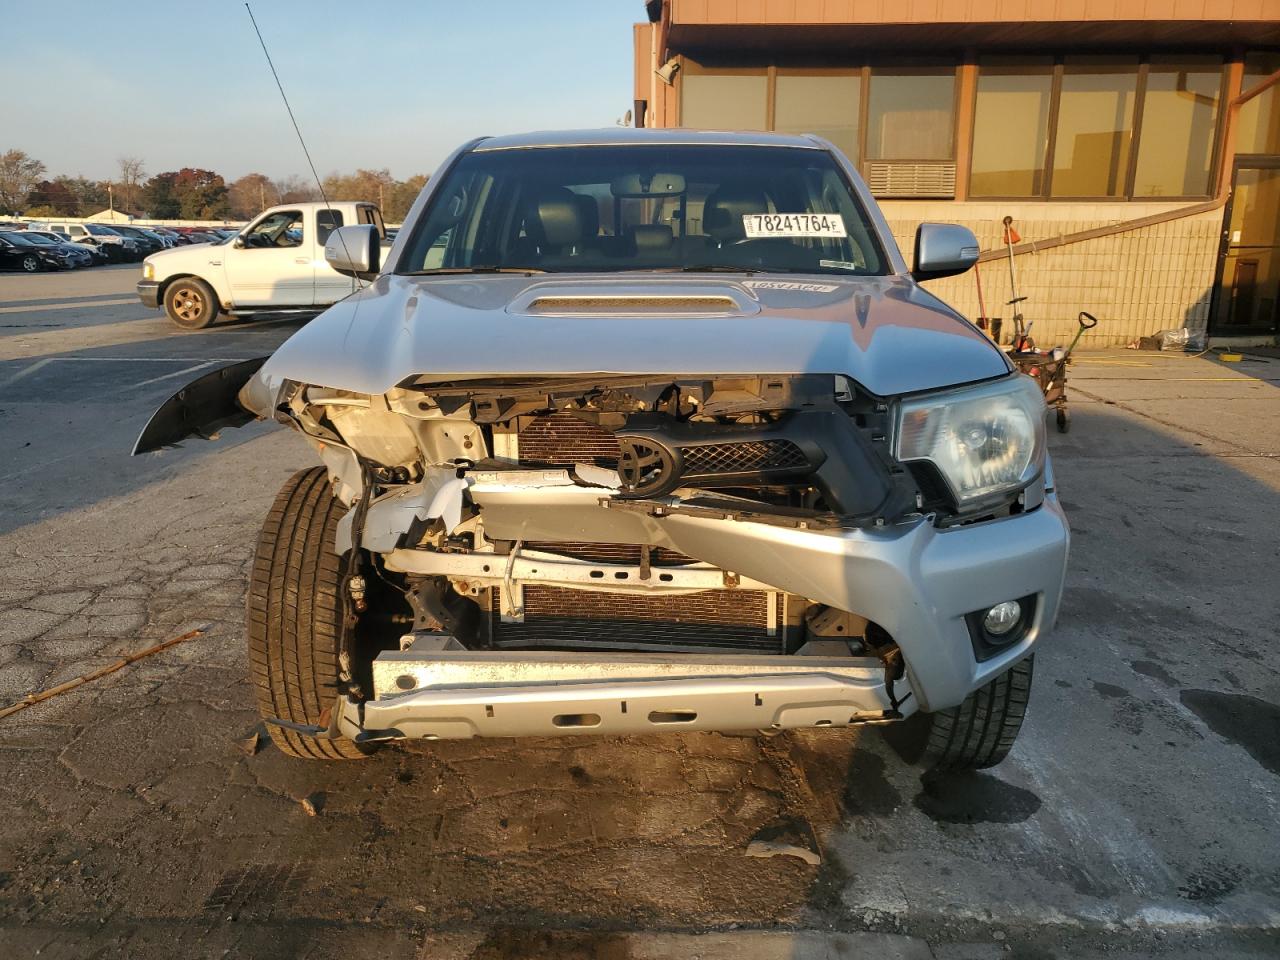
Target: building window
x=829, y=105
x=1011, y=129
x=724, y=100
x=1095, y=128
x=1258, y=123
x=1179, y=123
x=1084, y=114
x=911, y=115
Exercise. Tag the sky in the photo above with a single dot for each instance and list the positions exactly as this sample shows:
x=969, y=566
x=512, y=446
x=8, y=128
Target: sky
x=373, y=83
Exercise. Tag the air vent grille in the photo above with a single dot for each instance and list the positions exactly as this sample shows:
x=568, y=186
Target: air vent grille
x=743, y=457
x=634, y=304
x=627, y=553
x=561, y=440
x=911, y=179
x=557, y=617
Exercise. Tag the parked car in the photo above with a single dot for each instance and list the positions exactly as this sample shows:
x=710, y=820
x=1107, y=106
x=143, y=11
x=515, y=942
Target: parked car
x=147, y=242
x=166, y=241
x=118, y=248
x=171, y=237
x=97, y=255
x=276, y=263
x=721, y=465
x=19, y=252
x=77, y=255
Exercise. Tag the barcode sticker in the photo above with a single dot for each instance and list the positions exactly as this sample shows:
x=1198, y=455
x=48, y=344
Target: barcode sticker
x=793, y=225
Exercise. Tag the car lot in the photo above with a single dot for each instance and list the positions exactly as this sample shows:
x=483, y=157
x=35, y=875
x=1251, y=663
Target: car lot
x=1137, y=813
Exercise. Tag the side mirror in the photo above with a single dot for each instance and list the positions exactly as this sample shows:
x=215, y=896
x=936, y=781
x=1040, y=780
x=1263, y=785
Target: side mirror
x=238, y=242
x=354, y=251
x=943, y=250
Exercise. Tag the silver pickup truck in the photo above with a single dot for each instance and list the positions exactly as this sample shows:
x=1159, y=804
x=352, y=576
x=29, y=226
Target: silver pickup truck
x=640, y=431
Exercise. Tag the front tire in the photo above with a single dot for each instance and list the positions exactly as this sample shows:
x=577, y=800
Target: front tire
x=294, y=616
x=979, y=733
x=190, y=303
x=31, y=263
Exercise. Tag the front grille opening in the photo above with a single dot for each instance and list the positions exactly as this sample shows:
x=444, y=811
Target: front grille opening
x=561, y=440
x=576, y=720
x=709, y=621
x=622, y=553
x=748, y=457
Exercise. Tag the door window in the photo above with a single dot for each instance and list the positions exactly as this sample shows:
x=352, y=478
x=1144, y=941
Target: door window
x=327, y=221
x=280, y=229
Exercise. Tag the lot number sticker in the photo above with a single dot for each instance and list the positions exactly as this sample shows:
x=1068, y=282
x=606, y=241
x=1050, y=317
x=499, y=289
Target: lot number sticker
x=793, y=225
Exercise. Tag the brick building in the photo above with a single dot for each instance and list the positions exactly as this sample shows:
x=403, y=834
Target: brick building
x=1136, y=144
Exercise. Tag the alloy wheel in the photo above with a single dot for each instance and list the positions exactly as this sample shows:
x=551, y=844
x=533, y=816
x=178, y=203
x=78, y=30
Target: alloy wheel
x=188, y=304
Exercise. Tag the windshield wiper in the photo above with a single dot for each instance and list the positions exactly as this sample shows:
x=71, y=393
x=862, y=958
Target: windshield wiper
x=752, y=271
x=485, y=268
x=718, y=268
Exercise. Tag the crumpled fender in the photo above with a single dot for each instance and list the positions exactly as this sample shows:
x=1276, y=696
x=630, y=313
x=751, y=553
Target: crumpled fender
x=202, y=408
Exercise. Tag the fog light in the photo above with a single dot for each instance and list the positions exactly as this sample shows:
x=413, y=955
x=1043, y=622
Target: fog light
x=1002, y=618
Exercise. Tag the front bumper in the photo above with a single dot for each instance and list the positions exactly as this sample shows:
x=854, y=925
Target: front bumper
x=917, y=581
x=149, y=293
x=462, y=694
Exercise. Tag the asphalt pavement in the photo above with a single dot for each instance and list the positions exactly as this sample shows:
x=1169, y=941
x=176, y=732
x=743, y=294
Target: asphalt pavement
x=1137, y=815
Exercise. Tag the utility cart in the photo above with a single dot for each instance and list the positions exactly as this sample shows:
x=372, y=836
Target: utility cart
x=1049, y=368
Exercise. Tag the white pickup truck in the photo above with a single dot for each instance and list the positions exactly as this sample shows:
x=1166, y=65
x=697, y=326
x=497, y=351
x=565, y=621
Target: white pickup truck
x=274, y=264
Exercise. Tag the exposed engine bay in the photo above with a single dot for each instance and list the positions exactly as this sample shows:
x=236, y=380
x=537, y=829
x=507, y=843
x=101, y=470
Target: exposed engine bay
x=514, y=515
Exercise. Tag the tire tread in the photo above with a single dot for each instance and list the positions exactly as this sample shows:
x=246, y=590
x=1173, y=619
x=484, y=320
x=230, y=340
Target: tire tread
x=981, y=731
x=293, y=615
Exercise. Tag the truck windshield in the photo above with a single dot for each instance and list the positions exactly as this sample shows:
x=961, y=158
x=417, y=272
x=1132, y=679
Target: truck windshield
x=648, y=207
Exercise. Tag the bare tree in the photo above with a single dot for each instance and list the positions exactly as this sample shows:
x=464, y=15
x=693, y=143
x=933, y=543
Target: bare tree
x=19, y=174
x=295, y=189
x=132, y=172
x=251, y=194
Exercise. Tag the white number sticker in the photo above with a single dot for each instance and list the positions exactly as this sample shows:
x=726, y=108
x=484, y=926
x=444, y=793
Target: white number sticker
x=793, y=225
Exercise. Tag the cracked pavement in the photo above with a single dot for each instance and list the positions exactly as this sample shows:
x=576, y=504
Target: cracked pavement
x=1136, y=816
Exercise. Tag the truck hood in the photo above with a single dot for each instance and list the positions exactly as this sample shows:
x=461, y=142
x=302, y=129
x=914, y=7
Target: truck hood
x=181, y=259
x=885, y=333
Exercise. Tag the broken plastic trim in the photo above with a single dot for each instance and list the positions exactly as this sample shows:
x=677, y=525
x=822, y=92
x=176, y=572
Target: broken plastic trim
x=201, y=408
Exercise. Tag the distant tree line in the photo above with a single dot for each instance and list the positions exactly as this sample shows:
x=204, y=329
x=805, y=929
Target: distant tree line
x=187, y=194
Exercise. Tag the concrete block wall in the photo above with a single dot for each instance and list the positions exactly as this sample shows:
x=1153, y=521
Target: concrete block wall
x=1136, y=283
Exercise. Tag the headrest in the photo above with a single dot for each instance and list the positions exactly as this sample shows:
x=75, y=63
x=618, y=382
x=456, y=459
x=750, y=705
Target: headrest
x=651, y=238
x=555, y=218
x=590, y=214
x=723, y=212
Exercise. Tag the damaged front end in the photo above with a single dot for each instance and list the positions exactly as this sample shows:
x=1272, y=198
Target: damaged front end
x=620, y=554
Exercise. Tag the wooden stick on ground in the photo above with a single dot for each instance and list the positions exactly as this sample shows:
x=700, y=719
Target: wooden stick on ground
x=33, y=698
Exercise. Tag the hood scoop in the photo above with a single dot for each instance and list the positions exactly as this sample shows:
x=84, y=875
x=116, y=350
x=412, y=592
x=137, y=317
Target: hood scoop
x=670, y=298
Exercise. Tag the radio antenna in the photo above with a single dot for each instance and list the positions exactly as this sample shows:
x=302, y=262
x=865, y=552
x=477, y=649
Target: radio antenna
x=294, y=120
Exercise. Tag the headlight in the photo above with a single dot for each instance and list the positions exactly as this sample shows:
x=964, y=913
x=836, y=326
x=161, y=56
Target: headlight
x=985, y=440
x=148, y=270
